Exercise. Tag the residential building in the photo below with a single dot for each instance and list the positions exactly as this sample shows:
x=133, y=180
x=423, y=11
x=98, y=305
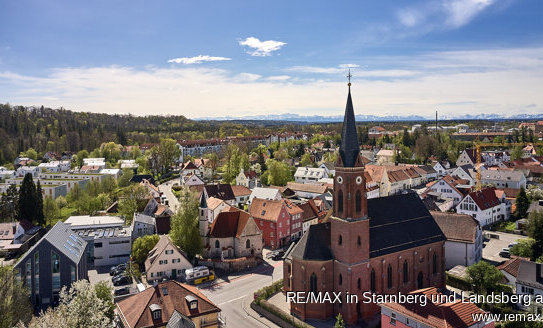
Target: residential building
x=233, y=234
x=296, y=219
x=55, y=166
x=383, y=245
x=55, y=261
x=495, y=157
x=530, y=282
x=242, y=195
x=221, y=191
x=191, y=180
x=431, y=314
x=510, y=269
x=189, y=169
x=329, y=168
x=248, y=179
x=206, y=167
x=128, y=164
x=165, y=260
x=273, y=219
x=385, y=156
x=265, y=193
x=464, y=244
x=465, y=172
x=109, y=242
x=24, y=170
x=142, y=225
x=503, y=179
x=309, y=174
x=467, y=157
x=214, y=207
x=310, y=215
x=309, y=190
x=115, y=173
x=449, y=187
x=484, y=206
x=168, y=304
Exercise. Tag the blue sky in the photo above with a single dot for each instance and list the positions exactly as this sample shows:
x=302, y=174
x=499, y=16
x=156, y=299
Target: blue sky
x=237, y=58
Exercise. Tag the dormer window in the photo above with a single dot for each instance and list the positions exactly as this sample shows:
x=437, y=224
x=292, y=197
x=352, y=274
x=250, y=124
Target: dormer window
x=192, y=302
x=156, y=311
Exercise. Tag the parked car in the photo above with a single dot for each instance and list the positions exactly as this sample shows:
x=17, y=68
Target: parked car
x=511, y=245
x=117, y=269
x=122, y=280
x=278, y=255
x=122, y=291
x=505, y=253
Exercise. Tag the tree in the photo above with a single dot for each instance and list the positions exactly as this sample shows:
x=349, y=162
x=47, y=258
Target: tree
x=306, y=160
x=81, y=155
x=31, y=153
x=14, y=301
x=124, y=180
x=484, y=277
x=127, y=207
x=185, y=231
x=406, y=140
x=27, y=204
x=339, y=322
x=80, y=306
x=516, y=153
x=523, y=203
x=40, y=219
x=278, y=174
x=425, y=147
x=8, y=203
x=142, y=246
x=50, y=210
x=524, y=248
x=105, y=293
x=535, y=231
x=300, y=151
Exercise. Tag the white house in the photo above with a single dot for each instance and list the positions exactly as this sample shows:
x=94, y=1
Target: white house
x=464, y=244
x=189, y=169
x=385, y=156
x=484, y=206
x=329, y=168
x=468, y=156
x=465, y=172
x=56, y=166
x=447, y=187
x=495, y=157
x=530, y=282
x=142, y=225
x=115, y=173
x=214, y=207
x=165, y=260
x=109, y=242
x=439, y=168
x=23, y=170
x=248, y=179
x=504, y=179
x=192, y=180
x=309, y=174
x=265, y=193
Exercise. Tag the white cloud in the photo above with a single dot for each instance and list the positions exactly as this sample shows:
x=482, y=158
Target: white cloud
x=261, y=48
x=360, y=73
x=463, y=82
x=446, y=14
x=279, y=78
x=349, y=66
x=197, y=60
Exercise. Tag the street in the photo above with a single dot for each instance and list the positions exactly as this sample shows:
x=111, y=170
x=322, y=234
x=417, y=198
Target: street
x=235, y=294
x=166, y=189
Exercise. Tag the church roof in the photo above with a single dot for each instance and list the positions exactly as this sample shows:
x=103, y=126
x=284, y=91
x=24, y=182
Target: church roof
x=349, y=148
x=404, y=225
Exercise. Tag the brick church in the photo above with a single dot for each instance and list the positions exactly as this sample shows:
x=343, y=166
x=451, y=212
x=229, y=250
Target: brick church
x=384, y=245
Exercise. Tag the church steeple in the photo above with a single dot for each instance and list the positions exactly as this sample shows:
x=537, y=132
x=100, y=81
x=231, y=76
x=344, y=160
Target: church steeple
x=349, y=148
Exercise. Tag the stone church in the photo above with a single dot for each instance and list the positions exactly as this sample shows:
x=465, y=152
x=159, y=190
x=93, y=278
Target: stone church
x=383, y=245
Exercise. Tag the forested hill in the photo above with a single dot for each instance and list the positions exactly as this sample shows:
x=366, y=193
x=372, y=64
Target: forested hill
x=46, y=129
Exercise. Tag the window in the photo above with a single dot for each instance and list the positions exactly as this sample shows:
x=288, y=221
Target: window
x=72, y=273
x=434, y=263
x=340, y=281
x=405, y=272
x=389, y=276
x=393, y=319
x=97, y=245
x=28, y=274
x=340, y=202
x=358, y=201
x=313, y=283
x=248, y=244
x=358, y=284
x=157, y=314
x=359, y=241
x=340, y=240
x=55, y=269
x=372, y=281
x=37, y=272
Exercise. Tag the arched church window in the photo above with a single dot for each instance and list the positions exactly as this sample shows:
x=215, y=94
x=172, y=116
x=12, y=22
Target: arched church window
x=340, y=202
x=358, y=201
x=389, y=276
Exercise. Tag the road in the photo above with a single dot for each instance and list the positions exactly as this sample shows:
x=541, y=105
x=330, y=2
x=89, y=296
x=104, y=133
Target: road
x=166, y=189
x=235, y=295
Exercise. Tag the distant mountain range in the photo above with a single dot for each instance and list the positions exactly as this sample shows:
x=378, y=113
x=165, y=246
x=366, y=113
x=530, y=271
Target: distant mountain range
x=367, y=118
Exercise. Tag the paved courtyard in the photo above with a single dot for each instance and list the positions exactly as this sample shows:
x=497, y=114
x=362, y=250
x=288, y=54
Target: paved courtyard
x=497, y=241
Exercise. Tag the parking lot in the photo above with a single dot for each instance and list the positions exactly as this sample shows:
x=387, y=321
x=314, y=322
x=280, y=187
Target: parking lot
x=497, y=241
x=99, y=274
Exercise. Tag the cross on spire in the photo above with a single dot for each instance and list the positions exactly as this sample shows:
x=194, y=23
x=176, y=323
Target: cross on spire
x=349, y=77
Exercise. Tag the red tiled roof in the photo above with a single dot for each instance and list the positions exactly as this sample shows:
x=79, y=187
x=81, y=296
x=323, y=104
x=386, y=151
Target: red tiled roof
x=229, y=224
x=190, y=166
x=241, y=191
x=437, y=315
x=512, y=265
x=292, y=209
x=485, y=198
x=266, y=209
x=457, y=227
x=135, y=312
x=251, y=175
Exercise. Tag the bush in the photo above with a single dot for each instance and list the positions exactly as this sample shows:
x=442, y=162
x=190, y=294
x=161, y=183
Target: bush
x=458, y=282
x=268, y=291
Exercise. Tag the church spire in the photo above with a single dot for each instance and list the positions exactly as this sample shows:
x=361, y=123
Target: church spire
x=349, y=148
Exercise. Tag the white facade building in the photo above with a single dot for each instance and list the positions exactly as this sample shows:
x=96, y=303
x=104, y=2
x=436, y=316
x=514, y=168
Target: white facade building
x=309, y=174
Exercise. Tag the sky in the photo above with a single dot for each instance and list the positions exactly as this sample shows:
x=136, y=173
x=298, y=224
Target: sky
x=239, y=58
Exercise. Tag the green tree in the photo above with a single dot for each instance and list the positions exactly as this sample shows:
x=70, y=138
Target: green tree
x=406, y=139
x=27, y=204
x=142, y=246
x=185, y=231
x=50, y=210
x=127, y=207
x=105, y=293
x=278, y=174
x=300, y=151
x=31, y=153
x=516, y=153
x=484, y=277
x=523, y=203
x=339, y=322
x=524, y=248
x=40, y=219
x=14, y=299
x=81, y=155
x=8, y=203
x=535, y=231
x=124, y=180
x=306, y=160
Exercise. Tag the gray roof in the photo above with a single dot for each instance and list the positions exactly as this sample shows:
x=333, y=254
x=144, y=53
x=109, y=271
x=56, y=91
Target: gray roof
x=529, y=274
x=349, y=148
x=140, y=217
x=177, y=320
x=64, y=240
x=501, y=175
